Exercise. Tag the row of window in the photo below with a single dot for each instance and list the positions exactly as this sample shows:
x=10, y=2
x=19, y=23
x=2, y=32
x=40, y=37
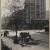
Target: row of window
x=30, y=1
x=37, y=10
x=43, y=1
x=33, y=12
x=37, y=5
x=32, y=15
x=36, y=17
x=31, y=8
x=32, y=4
x=37, y=1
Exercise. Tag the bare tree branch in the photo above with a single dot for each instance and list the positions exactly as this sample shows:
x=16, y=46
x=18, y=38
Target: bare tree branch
x=13, y=5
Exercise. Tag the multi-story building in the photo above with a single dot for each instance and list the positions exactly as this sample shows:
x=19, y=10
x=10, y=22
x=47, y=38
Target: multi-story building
x=47, y=15
x=36, y=10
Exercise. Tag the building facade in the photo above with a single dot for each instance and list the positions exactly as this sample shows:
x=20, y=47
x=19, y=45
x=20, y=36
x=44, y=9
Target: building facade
x=36, y=9
x=47, y=15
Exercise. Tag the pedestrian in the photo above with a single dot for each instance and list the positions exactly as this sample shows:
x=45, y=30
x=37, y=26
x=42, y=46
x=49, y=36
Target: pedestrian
x=5, y=33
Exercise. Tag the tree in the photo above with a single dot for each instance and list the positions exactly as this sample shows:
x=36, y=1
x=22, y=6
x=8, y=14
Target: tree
x=16, y=14
x=16, y=19
x=14, y=5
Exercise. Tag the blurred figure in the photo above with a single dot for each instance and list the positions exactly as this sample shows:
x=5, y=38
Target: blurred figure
x=5, y=33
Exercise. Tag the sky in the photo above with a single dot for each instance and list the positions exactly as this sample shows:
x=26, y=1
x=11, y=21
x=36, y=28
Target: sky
x=6, y=11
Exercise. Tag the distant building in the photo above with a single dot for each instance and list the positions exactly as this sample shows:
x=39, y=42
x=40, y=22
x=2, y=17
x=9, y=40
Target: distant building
x=47, y=15
x=36, y=9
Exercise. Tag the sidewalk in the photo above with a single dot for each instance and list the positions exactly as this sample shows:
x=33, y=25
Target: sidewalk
x=10, y=44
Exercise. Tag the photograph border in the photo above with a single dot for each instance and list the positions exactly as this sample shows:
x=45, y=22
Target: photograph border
x=1, y=22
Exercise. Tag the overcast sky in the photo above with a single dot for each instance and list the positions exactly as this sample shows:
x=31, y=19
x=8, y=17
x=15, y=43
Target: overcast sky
x=5, y=11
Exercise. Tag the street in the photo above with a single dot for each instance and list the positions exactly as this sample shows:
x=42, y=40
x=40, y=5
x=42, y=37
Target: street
x=41, y=36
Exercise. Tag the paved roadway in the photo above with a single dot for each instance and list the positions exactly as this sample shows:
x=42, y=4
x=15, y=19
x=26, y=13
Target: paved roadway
x=38, y=36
